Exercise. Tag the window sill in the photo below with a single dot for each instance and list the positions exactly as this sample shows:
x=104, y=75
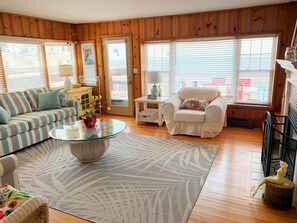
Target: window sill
x=56, y=88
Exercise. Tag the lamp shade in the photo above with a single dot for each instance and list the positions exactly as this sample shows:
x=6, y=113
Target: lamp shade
x=65, y=70
x=154, y=77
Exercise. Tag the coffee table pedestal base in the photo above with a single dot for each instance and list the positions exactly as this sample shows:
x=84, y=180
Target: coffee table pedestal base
x=89, y=151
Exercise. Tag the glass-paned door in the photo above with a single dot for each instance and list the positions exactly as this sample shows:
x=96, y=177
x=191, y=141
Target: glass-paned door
x=117, y=66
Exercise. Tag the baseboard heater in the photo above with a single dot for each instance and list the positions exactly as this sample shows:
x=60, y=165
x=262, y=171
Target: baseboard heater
x=245, y=123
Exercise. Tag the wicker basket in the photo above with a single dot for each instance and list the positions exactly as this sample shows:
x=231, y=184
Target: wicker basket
x=40, y=215
x=34, y=210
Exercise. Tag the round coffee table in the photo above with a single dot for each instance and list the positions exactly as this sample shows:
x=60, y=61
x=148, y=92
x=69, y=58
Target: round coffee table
x=92, y=143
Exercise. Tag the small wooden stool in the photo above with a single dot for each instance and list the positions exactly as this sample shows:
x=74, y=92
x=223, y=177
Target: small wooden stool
x=279, y=196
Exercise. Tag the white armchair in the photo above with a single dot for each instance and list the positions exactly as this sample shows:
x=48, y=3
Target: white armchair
x=206, y=124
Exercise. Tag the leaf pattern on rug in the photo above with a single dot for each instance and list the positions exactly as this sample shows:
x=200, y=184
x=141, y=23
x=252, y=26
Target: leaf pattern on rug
x=139, y=179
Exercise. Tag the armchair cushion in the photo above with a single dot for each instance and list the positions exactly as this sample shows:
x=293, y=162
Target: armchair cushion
x=189, y=116
x=194, y=104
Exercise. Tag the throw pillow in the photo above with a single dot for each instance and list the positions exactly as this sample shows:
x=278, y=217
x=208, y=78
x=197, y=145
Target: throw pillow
x=48, y=100
x=11, y=199
x=4, y=116
x=63, y=98
x=195, y=104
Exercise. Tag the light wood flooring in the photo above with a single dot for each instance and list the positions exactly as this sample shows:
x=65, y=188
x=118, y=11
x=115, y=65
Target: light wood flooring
x=225, y=194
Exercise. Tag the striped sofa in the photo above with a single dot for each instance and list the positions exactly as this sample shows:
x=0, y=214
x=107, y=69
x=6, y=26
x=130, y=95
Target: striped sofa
x=28, y=126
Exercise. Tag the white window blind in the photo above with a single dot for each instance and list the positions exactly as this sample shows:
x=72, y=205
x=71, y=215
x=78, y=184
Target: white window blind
x=57, y=54
x=205, y=64
x=23, y=66
x=241, y=69
x=157, y=56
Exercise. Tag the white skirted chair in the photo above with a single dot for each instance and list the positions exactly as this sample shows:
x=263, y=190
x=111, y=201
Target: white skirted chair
x=34, y=210
x=206, y=124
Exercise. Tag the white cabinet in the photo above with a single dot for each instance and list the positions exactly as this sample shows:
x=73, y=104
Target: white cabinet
x=83, y=94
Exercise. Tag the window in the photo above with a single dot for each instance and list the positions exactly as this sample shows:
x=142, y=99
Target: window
x=57, y=54
x=22, y=65
x=241, y=68
x=256, y=67
x=157, y=59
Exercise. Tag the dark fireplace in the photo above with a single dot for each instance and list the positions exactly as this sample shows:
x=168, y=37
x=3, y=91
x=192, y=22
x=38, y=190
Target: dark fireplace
x=279, y=142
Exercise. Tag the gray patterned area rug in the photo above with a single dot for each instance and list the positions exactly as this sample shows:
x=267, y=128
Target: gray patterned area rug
x=139, y=179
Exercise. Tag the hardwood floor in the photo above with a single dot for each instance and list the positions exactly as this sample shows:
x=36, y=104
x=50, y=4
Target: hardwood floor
x=225, y=194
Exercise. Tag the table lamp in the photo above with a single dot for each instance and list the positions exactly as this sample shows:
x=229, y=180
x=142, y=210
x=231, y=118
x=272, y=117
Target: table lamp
x=154, y=77
x=66, y=70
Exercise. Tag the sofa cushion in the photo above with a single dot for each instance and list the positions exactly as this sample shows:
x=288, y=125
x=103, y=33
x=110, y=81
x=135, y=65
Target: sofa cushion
x=37, y=119
x=15, y=103
x=198, y=92
x=4, y=116
x=48, y=100
x=13, y=127
x=62, y=113
x=189, y=116
x=31, y=95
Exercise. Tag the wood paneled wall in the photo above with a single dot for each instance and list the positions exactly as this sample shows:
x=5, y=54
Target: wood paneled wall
x=25, y=26
x=246, y=21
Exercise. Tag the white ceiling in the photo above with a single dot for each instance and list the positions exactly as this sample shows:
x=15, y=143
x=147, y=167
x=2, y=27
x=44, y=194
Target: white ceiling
x=85, y=11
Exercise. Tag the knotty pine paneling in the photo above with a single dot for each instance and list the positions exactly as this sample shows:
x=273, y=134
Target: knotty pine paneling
x=245, y=16
x=244, y=21
x=278, y=18
x=25, y=26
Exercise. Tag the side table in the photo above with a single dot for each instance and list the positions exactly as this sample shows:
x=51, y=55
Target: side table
x=149, y=114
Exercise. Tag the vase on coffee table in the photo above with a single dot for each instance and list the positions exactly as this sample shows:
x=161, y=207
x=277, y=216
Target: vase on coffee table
x=90, y=121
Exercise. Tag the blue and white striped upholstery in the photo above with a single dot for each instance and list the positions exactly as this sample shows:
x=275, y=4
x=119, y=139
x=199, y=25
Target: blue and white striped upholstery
x=13, y=127
x=74, y=104
x=32, y=96
x=62, y=113
x=26, y=127
x=15, y=103
x=37, y=119
x=8, y=175
x=19, y=141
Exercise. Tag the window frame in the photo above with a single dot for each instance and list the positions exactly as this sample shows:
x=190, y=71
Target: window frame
x=59, y=43
x=41, y=43
x=17, y=59
x=234, y=88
